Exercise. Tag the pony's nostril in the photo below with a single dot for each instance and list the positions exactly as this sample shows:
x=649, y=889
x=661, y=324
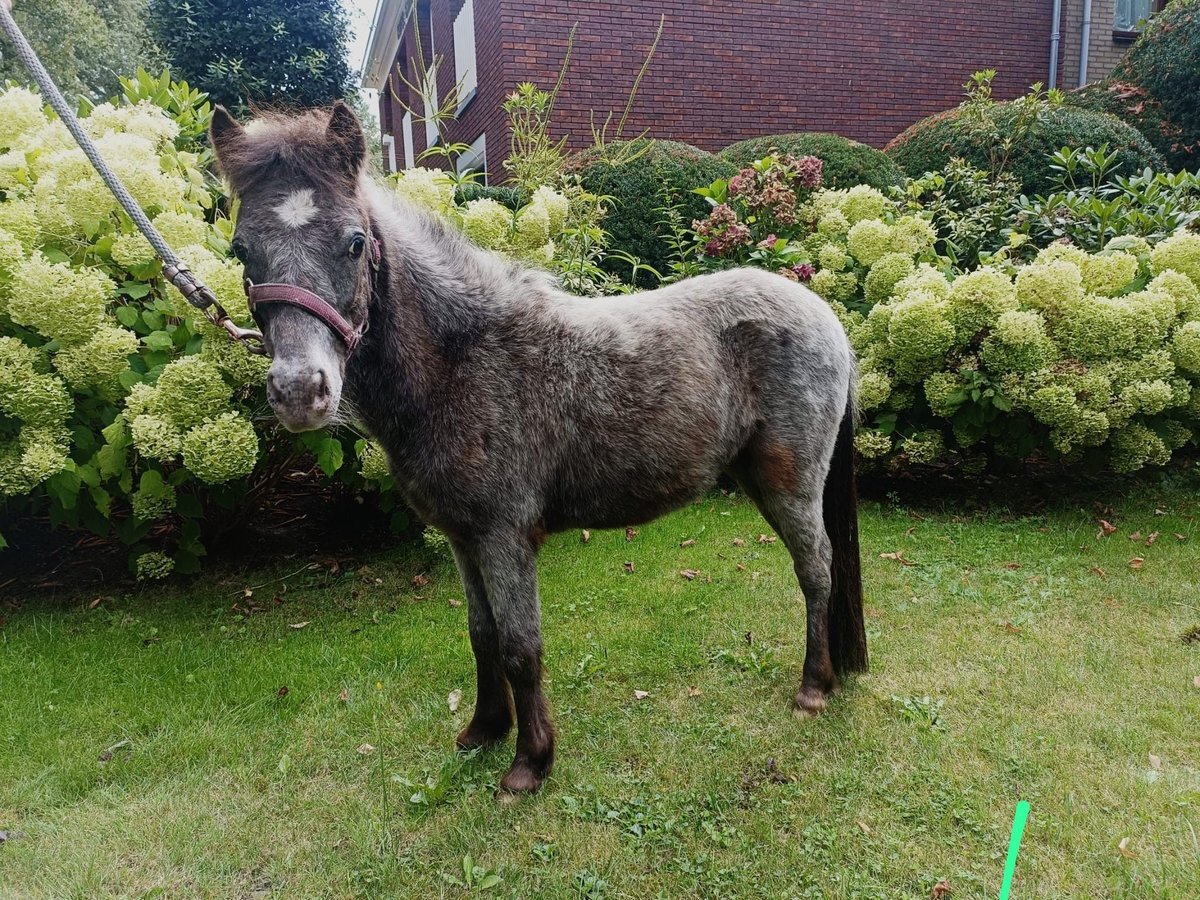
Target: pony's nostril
x=321, y=383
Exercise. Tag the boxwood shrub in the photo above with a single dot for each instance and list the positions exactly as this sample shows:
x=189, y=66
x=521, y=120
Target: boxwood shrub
x=640, y=188
x=846, y=162
x=1165, y=63
x=929, y=144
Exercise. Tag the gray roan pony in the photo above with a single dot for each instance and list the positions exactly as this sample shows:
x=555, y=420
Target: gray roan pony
x=509, y=409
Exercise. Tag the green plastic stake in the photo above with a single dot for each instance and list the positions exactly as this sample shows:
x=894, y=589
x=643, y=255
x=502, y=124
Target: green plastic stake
x=1014, y=846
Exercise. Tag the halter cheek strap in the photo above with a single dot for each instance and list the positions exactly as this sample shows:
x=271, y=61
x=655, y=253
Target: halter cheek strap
x=292, y=295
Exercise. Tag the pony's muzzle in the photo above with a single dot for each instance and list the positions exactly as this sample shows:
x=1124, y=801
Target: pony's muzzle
x=302, y=400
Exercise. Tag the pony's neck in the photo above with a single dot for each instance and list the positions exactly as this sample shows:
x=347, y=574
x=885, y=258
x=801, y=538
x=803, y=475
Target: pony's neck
x=427, y=309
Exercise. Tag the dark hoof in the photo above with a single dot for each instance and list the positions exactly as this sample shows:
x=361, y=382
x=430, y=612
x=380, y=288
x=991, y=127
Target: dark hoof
x=482, y=734
x=522, y=778
x=809, y=702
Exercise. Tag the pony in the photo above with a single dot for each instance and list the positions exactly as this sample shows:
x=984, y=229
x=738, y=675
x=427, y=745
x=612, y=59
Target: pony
x=509, y=409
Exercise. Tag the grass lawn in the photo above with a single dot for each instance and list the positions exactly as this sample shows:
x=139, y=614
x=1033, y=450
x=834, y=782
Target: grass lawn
x=148, y=747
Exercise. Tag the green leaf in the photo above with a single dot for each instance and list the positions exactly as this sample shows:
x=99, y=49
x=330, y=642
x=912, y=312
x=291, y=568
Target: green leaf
x=129, y=378
x=158, y=340
x=189, y=506
x=329, y=455
x=127, y=315
x=135, y=290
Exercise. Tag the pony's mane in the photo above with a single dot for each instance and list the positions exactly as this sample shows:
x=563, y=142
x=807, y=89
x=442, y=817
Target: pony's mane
x=286, y=145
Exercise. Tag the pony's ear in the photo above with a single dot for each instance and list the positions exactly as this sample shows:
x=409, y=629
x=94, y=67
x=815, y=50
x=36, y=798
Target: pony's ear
x=346, y=138
x=224, y=131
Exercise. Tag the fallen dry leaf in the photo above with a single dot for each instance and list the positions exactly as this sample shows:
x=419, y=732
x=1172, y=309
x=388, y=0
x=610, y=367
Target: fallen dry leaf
x=689, y=574
x=454, y=699
x=1111, y=602
x=585, y=536
x=1106, y=528
x=344, y=696
x=1180, y=537
x=693, y=692
x=898, y=557
x=247, y=593
x=1096, y=570
x=739, y=542
x=455, y=603
x=690, y=542
x=628, y=566
x=1155, y=761
x=95, y=603
x=299, y=625
x=1153, y=536
x=630, y=533
x=740, y=567
x=1011, y=628
x=420, y=581
x=366, y=749
x=1136, y=536
x=1196, y=681
x=767, y=539
x=941, y=889
x=1160, y=512
x=282, y=692
x=640, y=695
x=866, y=829
x=1013, y=566
x=1136, y=563
x=1124, y=849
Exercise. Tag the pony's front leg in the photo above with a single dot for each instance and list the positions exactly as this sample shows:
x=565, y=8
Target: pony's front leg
x=508, y=562
x=493, y=716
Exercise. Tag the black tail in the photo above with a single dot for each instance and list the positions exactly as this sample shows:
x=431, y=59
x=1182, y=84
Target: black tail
x=847, y=635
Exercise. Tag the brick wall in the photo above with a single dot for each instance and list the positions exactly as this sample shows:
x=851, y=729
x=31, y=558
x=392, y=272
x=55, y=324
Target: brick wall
x=729, y=70
x=1105, y=49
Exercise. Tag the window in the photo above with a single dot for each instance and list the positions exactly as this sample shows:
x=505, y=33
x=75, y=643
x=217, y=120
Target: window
x=474, y=159
x=1129, y=13
x=406, y=134
x=464, y=53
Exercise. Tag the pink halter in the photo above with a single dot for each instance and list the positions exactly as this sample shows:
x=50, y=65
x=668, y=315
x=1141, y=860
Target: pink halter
x=292, y=295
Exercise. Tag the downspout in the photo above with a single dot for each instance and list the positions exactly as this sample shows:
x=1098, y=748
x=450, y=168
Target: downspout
x=1085, y=42
x=1055, y=37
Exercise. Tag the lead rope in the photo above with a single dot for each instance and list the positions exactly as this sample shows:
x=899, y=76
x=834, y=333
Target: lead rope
x=196, y=292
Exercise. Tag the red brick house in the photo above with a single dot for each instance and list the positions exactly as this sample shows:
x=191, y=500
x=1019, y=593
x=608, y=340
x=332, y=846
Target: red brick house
x=725, y=69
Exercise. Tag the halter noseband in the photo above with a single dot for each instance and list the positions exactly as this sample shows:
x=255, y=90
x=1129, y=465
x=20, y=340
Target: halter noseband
x=314, y=305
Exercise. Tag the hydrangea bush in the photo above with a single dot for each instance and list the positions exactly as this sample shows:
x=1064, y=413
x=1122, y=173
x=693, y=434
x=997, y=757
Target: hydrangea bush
x=121, y=408
x=1079, y=357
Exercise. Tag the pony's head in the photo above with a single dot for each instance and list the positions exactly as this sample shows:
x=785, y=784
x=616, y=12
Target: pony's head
x=305, y=238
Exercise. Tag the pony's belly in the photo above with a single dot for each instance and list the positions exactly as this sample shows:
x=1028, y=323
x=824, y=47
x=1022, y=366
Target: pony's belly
x=612, y=506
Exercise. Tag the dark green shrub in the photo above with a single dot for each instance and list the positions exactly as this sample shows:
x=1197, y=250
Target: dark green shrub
x=931, y=143
x=847, y=162
x=1165, y=62
x=510, y=197
x=656, y=173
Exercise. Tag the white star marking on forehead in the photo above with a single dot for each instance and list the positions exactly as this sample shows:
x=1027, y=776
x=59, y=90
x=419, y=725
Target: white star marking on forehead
x=298, y=209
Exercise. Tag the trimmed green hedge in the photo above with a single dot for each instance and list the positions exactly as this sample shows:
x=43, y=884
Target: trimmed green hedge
x=846, y=162
x=929, y=144
x=1156, y=87
x=641, y=188
x=508, y=197
x=1134, y=105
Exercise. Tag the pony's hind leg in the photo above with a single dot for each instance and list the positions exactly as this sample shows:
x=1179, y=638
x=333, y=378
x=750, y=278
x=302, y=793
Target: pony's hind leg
x=769, y=476
x=493, y=718
x=799, y=522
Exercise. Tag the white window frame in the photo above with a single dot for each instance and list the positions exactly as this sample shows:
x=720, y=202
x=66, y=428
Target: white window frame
x=474, y=158
x=433, y=103
x=406, y=137
x=465, y=68
x=389, y=145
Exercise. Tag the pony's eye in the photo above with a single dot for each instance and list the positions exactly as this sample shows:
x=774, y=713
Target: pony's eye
x=357, y=245
x=240, y=251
